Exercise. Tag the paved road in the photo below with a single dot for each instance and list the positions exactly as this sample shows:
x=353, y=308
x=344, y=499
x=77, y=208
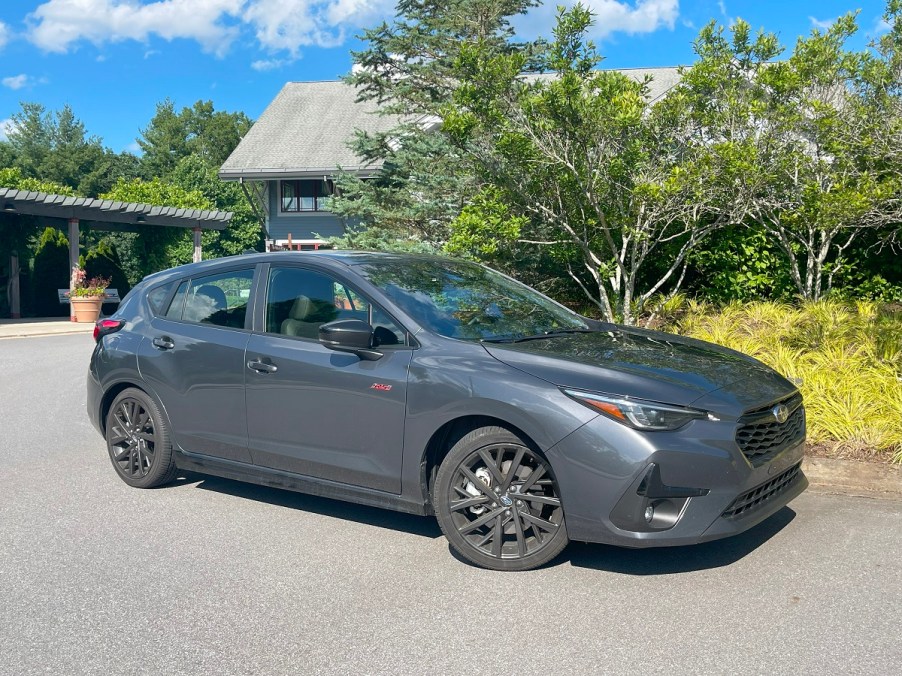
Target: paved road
x=212, y=576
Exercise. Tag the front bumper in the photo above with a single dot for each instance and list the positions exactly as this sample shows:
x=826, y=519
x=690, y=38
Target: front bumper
x=600, y=470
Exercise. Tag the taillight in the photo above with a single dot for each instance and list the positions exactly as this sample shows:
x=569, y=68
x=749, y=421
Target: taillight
x=105, y=327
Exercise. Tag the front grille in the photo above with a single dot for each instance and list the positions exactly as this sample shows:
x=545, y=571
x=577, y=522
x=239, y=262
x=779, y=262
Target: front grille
x=760, y=437
x=761, y=494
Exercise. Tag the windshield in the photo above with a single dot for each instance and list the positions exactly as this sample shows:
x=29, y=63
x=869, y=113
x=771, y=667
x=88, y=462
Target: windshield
x=467, y=301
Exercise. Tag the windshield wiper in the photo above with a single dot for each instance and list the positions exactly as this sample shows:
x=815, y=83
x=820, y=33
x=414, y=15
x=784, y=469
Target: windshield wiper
x=553, y=333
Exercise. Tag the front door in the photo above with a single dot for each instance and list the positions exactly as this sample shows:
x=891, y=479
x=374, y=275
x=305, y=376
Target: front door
x=317, y=412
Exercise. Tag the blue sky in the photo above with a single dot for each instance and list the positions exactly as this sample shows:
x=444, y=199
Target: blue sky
x=113, y=60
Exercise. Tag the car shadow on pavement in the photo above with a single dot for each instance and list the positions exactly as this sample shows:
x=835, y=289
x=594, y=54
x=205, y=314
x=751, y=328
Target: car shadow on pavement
x=671, y=560
x=371, y=516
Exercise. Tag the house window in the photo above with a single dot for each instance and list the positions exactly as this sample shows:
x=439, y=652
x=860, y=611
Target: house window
x=305, y=196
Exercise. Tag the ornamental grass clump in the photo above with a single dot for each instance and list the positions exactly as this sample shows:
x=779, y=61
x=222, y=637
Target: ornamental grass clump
x=847, y=355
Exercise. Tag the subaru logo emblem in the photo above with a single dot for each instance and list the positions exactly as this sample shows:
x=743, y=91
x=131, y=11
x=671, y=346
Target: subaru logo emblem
x=781, y=413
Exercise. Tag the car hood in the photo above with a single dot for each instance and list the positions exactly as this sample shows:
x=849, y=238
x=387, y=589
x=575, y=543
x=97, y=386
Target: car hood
x=648, y=365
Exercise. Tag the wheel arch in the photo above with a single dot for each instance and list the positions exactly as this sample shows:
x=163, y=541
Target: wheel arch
x=444, y=438
x=113, y=391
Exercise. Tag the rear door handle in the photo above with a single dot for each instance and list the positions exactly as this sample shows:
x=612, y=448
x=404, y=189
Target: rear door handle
x=163, y=342
x=262, y=366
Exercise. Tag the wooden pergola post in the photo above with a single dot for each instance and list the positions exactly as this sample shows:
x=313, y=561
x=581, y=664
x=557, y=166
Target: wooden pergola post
x=73, y=261
x=198, y=251
x=15, y=309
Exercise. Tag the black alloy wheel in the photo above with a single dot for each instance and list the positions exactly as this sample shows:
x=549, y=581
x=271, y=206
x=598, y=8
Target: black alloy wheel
x=138, y=440
x=498, y=503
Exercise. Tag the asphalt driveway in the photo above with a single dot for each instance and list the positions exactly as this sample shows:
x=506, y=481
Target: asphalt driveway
x=213, y=576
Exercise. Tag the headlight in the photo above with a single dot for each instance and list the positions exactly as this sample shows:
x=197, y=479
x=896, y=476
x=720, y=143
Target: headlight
x=638, y=413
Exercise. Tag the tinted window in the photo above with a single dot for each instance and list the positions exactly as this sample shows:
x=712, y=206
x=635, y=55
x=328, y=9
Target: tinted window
x=156, y=297
x=178, y=302
x=299, y=301
x=215, y=299
x=467, y=301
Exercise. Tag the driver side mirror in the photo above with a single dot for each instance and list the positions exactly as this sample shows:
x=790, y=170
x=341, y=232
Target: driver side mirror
x=349, y=335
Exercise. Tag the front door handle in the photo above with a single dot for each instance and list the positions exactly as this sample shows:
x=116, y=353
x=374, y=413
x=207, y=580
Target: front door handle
x=163, y=342
x=262, y=366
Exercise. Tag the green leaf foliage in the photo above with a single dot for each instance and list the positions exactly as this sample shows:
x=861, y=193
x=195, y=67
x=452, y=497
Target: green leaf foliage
x=50, y=272
x=156, y=248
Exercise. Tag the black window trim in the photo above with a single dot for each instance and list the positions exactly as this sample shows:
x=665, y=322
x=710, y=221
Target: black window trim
x=317, y=196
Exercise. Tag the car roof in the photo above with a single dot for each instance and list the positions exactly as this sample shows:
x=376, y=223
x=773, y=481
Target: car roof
x=346, y=258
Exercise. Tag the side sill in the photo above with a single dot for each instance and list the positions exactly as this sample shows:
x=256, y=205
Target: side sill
x=264, y=476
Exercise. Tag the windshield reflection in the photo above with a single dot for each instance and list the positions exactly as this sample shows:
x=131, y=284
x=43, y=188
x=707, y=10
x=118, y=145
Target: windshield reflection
x=467, y=301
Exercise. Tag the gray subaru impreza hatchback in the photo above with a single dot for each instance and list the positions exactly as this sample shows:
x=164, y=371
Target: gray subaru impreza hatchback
x=436, y=386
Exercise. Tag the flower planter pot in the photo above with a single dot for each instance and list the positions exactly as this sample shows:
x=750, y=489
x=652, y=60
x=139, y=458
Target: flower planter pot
x=86, y=308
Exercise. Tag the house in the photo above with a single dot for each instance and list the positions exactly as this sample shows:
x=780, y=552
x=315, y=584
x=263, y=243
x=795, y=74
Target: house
x=288, y=161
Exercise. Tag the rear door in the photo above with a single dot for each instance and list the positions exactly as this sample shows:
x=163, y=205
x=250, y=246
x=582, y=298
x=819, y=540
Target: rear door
x=317, y=412
x=194, y=360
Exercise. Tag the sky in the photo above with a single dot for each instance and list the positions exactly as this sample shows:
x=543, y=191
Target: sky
x=112, y=61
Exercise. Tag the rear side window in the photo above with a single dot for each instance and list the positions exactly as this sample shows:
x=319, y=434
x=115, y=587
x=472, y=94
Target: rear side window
x=220, y=300
x=156, y=297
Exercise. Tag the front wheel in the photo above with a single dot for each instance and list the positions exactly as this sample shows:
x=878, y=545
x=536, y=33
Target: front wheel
x=138, y=440
x=498, y=503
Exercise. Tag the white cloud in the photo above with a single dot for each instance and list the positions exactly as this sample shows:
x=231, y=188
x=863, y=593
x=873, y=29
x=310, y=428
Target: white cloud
x=56, y=25
x=263, y=65
x=611, y=16
x=4, y=34
x=881, y=26
x=822, y=24
x=282, y=27
x=15, y=82
x=288, y=25
x=6, y=126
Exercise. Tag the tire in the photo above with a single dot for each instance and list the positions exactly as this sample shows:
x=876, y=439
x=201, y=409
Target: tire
x=138, y=440
x=498, y=503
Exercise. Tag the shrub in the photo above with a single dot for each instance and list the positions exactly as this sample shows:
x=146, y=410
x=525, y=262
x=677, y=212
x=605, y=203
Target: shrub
x=848, y=356
x=50, y=272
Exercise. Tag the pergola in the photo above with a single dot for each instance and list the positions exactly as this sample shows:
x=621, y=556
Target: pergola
x=72, y=213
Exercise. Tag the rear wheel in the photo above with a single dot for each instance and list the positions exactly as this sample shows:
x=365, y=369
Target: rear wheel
x=138, y=440
x=498, y=503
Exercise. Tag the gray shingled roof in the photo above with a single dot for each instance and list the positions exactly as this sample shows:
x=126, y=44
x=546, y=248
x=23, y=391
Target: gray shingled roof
x=89, y=210
x=306, y=129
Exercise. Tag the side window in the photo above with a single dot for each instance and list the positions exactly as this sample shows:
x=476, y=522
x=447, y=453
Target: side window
x=299, y=301
x=178, y=302
x=156, y=298
x=220, y=300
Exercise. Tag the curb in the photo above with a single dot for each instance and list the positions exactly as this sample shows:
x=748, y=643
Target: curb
x=854, y=477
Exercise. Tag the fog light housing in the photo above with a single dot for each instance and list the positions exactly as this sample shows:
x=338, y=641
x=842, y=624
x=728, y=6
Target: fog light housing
x=650, y=513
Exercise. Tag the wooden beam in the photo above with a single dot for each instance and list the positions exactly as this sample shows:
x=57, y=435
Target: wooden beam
x=73, y=260
x=198, y=250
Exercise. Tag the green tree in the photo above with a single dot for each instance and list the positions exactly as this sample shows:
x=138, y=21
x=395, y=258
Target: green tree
x=193, y=174
x=50, y=272
x=54, y=146
x=408, y=68
x=601, y=180
x=790, y=143
x=156, y=248
x=199, y=130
